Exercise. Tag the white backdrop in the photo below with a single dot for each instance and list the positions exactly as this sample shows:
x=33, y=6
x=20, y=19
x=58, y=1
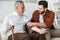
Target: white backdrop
x=7, y=7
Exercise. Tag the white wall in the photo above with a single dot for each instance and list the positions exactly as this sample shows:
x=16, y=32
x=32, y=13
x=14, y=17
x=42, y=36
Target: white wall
x=7, y=7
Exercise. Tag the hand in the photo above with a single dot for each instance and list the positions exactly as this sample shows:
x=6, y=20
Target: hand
x=31, y=24
x=43, y=31
x=9, y=27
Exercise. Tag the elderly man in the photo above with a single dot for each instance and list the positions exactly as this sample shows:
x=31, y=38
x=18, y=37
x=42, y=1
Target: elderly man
x=18, y=20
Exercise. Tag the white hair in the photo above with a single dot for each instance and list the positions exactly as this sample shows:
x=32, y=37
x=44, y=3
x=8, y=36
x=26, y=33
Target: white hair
x=17, y=3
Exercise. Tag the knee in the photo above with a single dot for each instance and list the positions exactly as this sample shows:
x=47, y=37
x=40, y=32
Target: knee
x=47, y=34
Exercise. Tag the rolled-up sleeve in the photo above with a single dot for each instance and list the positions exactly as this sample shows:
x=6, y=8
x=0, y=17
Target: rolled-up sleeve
x=49, y=21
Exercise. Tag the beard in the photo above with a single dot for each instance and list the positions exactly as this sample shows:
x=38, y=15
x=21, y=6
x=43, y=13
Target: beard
x=42, y=12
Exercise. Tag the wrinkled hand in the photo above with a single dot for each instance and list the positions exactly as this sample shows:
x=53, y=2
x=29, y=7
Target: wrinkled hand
x=9, y=27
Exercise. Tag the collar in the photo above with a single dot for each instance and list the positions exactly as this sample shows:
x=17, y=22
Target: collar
x=17, y=14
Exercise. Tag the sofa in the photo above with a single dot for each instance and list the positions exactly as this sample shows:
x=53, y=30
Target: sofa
x=54, y=38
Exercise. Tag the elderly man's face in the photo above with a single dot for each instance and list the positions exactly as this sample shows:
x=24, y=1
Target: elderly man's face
x=21, y=8
x=41, y=9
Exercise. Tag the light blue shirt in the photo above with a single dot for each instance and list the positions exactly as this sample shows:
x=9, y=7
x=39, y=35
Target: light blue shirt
x=17, y=20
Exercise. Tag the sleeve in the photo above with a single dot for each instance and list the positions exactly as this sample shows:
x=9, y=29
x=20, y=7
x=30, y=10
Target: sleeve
x=49, y=21
x=5, y=24
x=26, y=19
x=33, y=16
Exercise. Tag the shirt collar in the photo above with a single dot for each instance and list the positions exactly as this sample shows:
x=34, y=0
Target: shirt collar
x=17, y=14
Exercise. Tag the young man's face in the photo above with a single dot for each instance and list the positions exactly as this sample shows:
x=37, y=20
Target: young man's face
x=21, y=8
x=41, y=9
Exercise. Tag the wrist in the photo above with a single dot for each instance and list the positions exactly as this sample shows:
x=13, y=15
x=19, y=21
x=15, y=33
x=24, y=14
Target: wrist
x=36, y=24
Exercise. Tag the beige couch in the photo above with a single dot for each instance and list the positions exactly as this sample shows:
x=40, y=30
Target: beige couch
x=57, y=38
x=56, y=26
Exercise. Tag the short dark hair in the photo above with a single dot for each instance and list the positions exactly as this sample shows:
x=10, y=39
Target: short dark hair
x=44, y=3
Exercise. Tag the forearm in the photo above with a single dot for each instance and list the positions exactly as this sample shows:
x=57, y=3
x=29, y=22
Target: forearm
x=41, y=31
x=32, y=24
x=36, y=29
x=43, y=25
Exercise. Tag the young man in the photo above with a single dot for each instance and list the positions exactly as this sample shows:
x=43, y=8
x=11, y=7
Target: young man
x=42, y=19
